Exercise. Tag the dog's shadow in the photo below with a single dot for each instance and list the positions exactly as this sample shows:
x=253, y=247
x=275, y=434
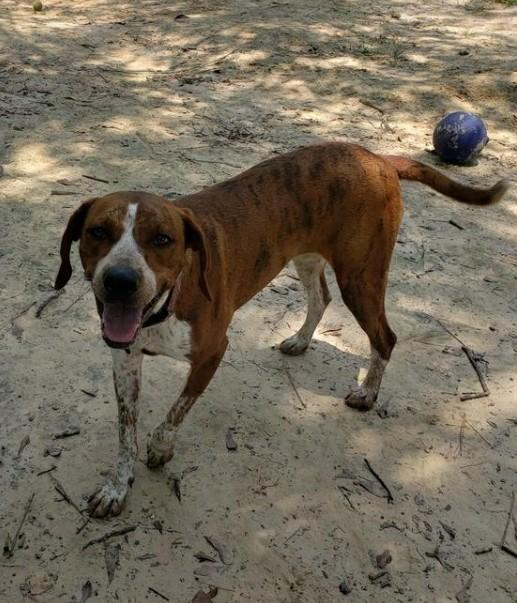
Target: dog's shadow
x=323, y=369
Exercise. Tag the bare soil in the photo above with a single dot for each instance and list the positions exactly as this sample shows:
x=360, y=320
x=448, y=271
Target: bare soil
x=170, y=97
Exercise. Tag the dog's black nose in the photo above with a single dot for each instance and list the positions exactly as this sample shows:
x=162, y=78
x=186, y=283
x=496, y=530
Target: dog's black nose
x=120, y=282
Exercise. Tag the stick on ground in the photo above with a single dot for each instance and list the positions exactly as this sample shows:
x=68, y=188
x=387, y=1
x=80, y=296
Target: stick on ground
x=380, y=480
x=47, y=301
x=295, y=389
x=508, y=519
x=475, y=365
x=158, y=593
x=9, y=548
x=58, y=486
x=112, y=534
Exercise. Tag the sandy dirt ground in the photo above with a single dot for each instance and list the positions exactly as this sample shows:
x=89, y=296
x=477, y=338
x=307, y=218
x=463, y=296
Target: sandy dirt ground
x=172, y=96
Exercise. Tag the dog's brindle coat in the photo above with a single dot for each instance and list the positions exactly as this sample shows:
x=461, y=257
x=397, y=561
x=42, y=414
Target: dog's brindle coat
x=196, y=260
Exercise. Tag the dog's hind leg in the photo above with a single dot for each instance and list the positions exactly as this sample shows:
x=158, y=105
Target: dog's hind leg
x=363, y=290
x=365, y=299
x=310, y=268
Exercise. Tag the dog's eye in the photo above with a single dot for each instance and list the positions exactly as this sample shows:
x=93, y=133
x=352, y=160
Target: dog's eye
x=98, y=232
x=161, y=240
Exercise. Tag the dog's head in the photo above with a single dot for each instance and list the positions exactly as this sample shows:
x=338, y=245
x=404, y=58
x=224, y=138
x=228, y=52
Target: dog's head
x=133, y=248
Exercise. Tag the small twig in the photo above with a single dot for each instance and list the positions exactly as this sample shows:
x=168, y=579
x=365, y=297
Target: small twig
x=176, y=486
x=23, y=444
x=198, y=160
x=46, y=302
x=76, y=300
x=436, y=555
x=331, y=331
x=158, y=593
x=380, y=480
x=84, y=524
x=22, y=312
x=508, y=550
x=371, y=105
x=293, y=385
x=271, y=485
x=460, y=437
x=68, y=432
x=58, y=486
x=473, y=396
x=456, y=225
x=231, y=444
x=483, y=550
x=508, y=519
x=63, y=193
x=53, y=468
x=112, y=534
x=96, y=179
x=219, y=549
x=423, y=257
x=445, y=328
x=479, y=434
x=9, y=549
x=344, y=492
x=298, y=529
x=390, y=524
x=473, y=361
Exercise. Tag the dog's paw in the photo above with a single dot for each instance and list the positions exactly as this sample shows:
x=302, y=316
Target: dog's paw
x=157, y=459
x=108, y=501
x=160, y=448
x=360, y=400
x=294, y=345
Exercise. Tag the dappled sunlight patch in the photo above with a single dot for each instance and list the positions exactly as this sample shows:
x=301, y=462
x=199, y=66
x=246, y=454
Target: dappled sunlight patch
x=417, y=57
x=419, y=468
x=133, y=60
x=367, y=440
x=31, y=159
x=246, y=59
x=511, y=208
x=328, y=63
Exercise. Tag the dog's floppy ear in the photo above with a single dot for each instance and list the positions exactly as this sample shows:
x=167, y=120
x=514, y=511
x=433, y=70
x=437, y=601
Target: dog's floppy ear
x=195, y=239
x=72, y=233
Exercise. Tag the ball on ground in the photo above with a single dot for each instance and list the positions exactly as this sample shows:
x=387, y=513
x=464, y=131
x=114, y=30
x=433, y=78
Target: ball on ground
x=37, y=5
x=459, y=137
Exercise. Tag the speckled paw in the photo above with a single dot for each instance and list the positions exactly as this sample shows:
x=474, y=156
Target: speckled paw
x=108, y=501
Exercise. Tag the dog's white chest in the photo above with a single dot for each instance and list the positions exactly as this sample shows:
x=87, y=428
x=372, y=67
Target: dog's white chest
x=172, y=338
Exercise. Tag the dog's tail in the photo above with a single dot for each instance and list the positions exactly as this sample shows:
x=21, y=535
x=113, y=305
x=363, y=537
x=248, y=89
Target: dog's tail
x=408, y=169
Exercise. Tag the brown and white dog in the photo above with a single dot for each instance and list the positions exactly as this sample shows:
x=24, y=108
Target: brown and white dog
x=168, y=276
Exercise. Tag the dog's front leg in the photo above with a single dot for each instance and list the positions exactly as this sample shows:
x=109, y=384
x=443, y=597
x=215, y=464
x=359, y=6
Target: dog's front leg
x=204, y=363
x=127, y=370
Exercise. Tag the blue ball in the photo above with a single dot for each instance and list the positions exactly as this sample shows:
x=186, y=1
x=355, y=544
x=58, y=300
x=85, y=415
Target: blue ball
x=459, y=137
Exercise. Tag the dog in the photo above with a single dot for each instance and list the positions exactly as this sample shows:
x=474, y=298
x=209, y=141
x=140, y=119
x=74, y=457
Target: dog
x=169, y=275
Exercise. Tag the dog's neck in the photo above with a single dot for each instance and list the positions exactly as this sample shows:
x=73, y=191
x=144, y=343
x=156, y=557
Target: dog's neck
x=167, y=308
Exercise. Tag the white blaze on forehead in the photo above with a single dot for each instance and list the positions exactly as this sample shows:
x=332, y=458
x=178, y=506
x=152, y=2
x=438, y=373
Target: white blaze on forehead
x=126, y=248
x=126, y=252
x=127, y=245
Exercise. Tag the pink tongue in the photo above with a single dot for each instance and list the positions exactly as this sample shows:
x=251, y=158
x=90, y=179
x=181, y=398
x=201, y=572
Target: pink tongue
x=120, y=323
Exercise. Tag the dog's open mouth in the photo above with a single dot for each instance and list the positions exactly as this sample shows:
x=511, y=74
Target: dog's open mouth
x=121, y=323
